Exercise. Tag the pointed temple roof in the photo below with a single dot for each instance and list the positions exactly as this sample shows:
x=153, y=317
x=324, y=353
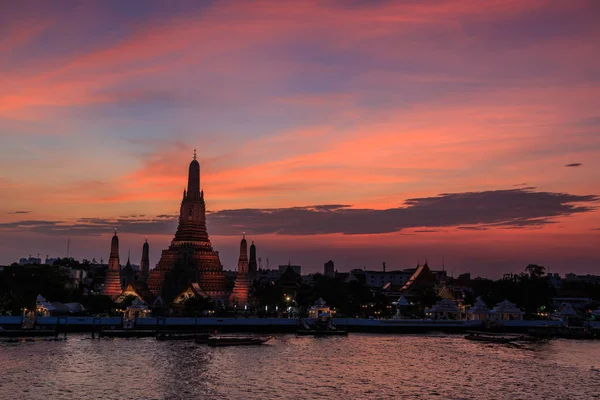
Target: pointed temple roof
x=506, y=307
x=420, y=279
x=445, y=305
x=192, y=290
x=139, y=290
x=565, y=310
x=479, y=307
x=128, y=265
x=290, y=277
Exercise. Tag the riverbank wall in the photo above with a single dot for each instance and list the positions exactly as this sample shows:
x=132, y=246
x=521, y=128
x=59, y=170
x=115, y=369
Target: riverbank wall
x=271, y=325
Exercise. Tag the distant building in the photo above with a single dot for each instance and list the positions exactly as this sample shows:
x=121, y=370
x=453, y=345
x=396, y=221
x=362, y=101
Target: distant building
x=329, y=269
x=296, y=268
x=268, y=275
x=50, y=261
x=464, y=277
x=578, y=303
x=78, y=277
x=30, y=261
x=594, y=279
x=555, y=280
x=379, y=279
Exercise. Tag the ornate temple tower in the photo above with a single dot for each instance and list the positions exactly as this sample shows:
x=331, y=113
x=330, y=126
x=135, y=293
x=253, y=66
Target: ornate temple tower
x=127, y=273
x=112, y=283
x=239, y=295
x=252, y=265
x=145, y=263
x=190, y=258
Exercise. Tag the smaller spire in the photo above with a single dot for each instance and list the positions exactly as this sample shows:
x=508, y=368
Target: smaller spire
x=243, y=235
x=194, y=154
x=115, y=231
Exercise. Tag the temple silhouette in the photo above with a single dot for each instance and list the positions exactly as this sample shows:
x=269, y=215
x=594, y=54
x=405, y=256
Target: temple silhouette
x=190, y=258
x=190, y=266
x=112, y=283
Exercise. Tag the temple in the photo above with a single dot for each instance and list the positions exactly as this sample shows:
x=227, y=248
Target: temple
x=145, y=263
x=421, y=280
x=190, y=258
x=252, y=265
x=239, y=296
x=127, y=274
x=112, y=283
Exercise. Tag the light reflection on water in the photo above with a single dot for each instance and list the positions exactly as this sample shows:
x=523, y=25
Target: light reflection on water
x=356, y=367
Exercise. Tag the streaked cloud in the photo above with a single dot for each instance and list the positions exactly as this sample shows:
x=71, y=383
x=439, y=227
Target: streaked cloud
x=513, y=208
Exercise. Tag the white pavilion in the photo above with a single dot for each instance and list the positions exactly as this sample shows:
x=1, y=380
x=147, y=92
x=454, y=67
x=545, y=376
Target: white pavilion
x=479, y=311
x=445, y=309
x=506, y=311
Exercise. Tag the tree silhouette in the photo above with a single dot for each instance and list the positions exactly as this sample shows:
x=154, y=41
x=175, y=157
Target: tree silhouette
x=535, y=271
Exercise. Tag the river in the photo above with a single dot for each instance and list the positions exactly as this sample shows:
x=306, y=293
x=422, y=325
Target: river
x=360, y=366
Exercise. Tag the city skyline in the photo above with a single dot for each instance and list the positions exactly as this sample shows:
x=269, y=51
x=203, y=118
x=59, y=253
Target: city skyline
x=360, y=132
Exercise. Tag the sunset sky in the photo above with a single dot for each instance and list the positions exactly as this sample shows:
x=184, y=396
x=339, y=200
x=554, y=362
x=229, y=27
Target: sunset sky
x=357, y=131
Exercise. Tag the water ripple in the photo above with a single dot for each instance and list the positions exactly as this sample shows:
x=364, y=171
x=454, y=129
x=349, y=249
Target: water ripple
x=356, y=367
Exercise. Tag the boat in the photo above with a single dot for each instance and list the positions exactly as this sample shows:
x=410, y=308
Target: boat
x=183, y=336
x=493, y=337
x=216, y=341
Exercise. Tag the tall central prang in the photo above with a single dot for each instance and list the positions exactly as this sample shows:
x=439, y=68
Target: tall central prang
x=190, y=258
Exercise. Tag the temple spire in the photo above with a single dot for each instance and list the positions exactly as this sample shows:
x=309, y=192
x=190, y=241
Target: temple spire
x=252, y=265
x=145, y=262
x=239, y=295
x=112, y=283
x=193, y=189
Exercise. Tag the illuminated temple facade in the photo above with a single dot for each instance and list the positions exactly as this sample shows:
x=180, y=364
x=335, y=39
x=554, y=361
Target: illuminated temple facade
x=239, y=296
x=112, y=283
x=190, y=259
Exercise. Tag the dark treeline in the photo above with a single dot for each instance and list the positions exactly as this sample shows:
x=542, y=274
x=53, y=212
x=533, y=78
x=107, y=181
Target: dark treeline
x=530, y=290
x=21, y=284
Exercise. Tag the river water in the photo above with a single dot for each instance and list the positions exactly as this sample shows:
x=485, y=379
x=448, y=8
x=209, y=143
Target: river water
x=357, y=367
